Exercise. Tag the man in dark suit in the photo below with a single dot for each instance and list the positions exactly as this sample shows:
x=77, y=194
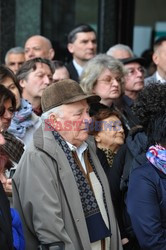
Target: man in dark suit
x=159, y=58
x=82, y=44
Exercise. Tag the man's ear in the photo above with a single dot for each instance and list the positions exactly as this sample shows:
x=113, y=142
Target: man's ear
x=52, y=119
x=22, y=83
x=70, y=47
x=51, y=53
x=155, y=57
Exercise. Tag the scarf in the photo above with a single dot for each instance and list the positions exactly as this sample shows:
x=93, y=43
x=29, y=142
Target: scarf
x=157, y=156
x=109, y=155
x=96, y=226
x=22, y=120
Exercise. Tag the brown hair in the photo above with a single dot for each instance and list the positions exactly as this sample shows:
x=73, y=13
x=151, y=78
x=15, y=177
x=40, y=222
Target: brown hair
x=100, y=116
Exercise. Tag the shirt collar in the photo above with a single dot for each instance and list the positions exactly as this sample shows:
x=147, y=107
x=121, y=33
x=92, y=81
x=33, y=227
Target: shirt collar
x=78, y=67
x=159, y=78
x=80, y=149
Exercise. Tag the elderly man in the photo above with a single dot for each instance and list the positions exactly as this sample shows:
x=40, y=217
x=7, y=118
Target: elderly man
x=60, y=188
x=14, y=58
x=34, y=76
x=38, y=46
x=82, y=44
x=134, y=83
x=120, y=51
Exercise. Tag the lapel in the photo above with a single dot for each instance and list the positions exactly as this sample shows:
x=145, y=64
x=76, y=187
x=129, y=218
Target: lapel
x=73, y=72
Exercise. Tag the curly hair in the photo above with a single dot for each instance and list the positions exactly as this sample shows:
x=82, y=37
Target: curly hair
x=151, y=102
x=156, y=135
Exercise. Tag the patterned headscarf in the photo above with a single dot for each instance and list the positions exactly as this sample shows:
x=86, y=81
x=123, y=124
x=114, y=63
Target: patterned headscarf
x=157, y=156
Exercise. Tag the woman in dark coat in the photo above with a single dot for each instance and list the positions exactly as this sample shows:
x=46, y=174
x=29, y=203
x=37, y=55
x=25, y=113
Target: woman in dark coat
x=146, y=198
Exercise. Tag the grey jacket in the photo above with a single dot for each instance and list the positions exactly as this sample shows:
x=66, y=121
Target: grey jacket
x=150, y=79
x=47, y=198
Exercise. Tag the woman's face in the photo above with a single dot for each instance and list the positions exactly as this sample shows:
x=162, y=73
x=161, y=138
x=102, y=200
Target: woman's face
x=7, y=115
x=107, y=86
x=112, y=135
x=9, y=84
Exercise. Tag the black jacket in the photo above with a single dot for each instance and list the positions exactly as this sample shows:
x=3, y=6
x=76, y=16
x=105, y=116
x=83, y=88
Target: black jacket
x=72, y=71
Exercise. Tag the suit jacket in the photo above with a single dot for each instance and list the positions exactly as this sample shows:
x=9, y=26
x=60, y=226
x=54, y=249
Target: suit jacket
x=72, y=71
x=150, y=79
x=47, y=197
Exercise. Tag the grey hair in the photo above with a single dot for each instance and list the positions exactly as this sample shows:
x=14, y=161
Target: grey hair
x=57, y=110
x=119, y=46
x=15, y=50
x=94, y=68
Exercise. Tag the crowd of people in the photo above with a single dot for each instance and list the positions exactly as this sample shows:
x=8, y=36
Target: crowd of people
x=82, y=147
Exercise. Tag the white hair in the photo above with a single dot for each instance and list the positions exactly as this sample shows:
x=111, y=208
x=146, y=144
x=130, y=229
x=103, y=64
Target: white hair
x=119, y=46
x=57, y=110
x=15, y=50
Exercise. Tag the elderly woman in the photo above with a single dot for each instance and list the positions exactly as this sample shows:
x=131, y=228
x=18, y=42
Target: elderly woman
x=146, y=199
x=104, y=76
x=106, y=127
x=108, y=132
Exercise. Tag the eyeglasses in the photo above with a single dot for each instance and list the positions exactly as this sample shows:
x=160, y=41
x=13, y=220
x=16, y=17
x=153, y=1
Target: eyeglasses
x=110, y=80
x=133, y=71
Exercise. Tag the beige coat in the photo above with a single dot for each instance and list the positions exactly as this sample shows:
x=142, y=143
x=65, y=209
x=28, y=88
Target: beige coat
x=47, y=197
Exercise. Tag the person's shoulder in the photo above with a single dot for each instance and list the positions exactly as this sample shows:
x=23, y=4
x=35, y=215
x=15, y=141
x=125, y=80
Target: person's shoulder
x=147, y=170
x=150, y=79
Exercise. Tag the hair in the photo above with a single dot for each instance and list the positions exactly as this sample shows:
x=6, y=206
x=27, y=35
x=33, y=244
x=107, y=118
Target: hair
x=6, y=94
x=158, y=43
x=79, y=28
x=151, y=101
x=6, y=72
x=119, y=46
x=15, y=50
x=58, y=64
x=94, y=67
x=156, y=131
x=30, y=66
x=100, y=116
x=57, y=110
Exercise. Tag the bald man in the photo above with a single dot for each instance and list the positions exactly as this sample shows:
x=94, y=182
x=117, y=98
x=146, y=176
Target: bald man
x=38, y=46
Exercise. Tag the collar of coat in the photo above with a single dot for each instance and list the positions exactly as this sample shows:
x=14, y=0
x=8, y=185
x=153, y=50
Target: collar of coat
x=43, y=139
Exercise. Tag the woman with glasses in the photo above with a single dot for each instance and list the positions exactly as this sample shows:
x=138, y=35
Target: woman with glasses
x=105, y=76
